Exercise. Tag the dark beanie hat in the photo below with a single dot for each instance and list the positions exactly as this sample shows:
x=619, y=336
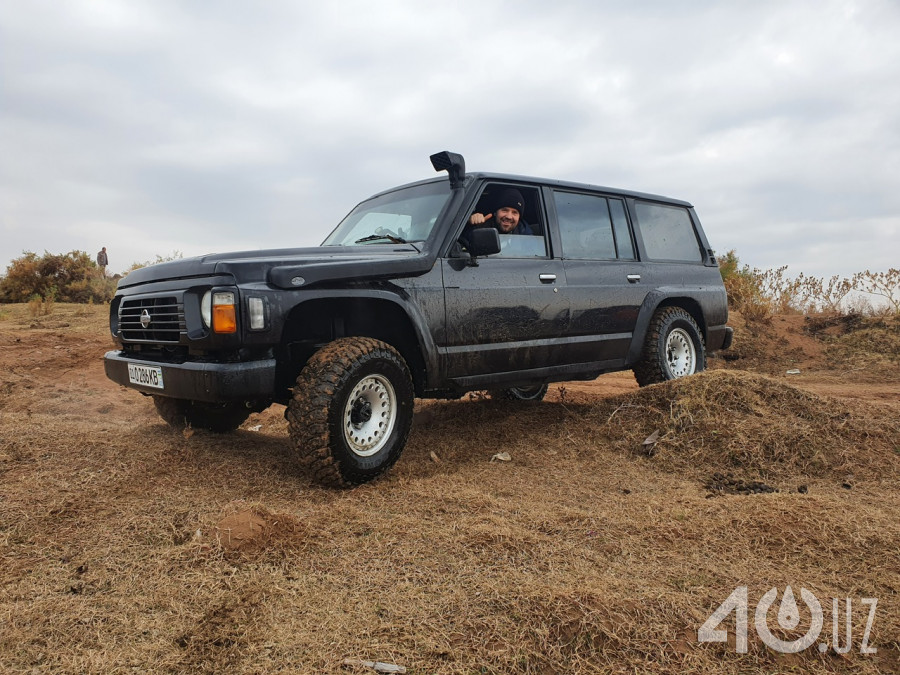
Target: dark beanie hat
x=512, y=198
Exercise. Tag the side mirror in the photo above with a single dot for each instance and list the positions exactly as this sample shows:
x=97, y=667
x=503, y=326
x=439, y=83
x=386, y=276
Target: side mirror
x=483, y=241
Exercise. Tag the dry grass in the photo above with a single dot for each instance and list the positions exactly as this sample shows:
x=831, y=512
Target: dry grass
x=742, y=421
x=125, y=546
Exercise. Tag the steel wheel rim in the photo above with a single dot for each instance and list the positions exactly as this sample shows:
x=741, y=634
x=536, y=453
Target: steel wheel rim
x=369, y=415
x=681, y=356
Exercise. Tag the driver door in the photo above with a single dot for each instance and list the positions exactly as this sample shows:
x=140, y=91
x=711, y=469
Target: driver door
x=506, y=313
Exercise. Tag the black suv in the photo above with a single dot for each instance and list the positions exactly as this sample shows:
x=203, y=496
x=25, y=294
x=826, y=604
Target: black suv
x=405, y=298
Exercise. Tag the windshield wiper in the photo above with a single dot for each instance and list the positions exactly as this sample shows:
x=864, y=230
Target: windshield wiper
x=376, y=237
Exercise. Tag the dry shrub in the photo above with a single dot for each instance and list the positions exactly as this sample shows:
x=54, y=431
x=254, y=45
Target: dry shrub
x=65, y=276
x=720, y=420
x=87, y=310
x=35, y=306
x=884, y=285
x=97, y=288
x=744, y=289
x=745, y=295
x=39, y=306
x=760, y=294
x=830, y=295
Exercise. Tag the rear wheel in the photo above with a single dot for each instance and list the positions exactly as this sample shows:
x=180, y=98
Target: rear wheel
x=351, y=411
x=673, y=349
x=217, y=417
x=535, y=393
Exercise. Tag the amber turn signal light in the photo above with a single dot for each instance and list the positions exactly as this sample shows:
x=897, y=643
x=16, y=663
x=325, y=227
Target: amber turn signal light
x=224, y=317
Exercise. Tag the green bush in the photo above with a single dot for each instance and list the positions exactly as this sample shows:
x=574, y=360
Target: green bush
x=67, y=277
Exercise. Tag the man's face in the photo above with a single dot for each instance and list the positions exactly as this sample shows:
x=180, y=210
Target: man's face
x=507, y=219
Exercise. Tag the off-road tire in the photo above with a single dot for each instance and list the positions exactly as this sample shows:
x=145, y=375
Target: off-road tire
x=673, y=348
x=536, y=393
x=217, y=417
x=351, y=411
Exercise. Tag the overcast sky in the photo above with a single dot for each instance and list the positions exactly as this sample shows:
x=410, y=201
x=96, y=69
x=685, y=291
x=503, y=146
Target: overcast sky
x=150, y=126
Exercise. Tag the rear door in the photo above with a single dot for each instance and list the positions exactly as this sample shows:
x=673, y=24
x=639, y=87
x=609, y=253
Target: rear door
x=606, y=284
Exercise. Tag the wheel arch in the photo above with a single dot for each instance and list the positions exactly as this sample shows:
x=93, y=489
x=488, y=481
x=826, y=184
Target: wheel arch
x=652, y=303
x=379, y=315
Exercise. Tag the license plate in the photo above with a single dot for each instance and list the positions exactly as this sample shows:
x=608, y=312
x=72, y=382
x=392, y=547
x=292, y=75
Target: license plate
x=146, y=376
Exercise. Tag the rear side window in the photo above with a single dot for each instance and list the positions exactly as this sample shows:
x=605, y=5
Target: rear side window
x=592, y=227
x=667, y=232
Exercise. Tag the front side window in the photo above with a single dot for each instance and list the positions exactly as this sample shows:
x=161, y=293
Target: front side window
x=404, y=215
x=522, y=235
x=667, y=232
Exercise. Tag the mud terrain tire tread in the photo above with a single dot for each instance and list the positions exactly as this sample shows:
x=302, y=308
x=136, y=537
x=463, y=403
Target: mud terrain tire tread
x=652, y=367
x=171, y=410
x=314, y=414
x=219, y=418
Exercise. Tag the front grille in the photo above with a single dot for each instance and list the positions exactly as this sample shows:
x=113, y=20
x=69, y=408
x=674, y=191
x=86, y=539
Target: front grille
x=166, y=320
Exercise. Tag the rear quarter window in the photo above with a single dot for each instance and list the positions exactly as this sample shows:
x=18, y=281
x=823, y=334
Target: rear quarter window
x=668, y=232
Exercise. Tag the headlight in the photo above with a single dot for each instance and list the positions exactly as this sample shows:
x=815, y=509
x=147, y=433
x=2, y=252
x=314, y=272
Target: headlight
x=206, y=309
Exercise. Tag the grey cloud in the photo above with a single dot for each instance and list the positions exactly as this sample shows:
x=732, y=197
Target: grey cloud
x=246, y=124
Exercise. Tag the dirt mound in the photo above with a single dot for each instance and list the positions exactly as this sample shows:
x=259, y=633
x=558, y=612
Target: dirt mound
x=721, y=420
x=859, y=342
x=772, y=345
x=841, y=344
x=252, y=529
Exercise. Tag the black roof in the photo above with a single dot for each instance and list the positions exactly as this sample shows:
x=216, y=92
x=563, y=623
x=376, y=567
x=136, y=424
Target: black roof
x=549, y=182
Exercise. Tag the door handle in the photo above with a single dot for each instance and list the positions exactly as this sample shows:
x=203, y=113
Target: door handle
x=633, y=278
x=547, y=278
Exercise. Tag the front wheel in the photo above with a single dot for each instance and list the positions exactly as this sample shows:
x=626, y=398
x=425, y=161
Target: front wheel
x=673, y=349
x=351, y=411
x=216, y=417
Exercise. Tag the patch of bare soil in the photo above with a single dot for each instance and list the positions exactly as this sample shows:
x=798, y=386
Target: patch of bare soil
x=623, y=519
x=250, y=529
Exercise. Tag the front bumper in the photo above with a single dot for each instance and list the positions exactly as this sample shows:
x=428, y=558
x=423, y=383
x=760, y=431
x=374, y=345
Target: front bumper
x=200, y=381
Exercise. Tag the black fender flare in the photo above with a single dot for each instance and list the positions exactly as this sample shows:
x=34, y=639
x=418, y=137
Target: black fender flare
x=395, y=295
x=691, y=299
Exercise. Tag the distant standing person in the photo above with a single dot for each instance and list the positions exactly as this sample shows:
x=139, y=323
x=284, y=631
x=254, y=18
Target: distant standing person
x=102, y=261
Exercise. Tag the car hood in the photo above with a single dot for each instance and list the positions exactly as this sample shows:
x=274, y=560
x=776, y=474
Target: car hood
x=293, y=268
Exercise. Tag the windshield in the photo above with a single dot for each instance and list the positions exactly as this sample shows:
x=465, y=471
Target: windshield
x=394, y=218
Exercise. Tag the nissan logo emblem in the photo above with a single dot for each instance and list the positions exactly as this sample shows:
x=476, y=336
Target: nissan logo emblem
x=145, y=319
